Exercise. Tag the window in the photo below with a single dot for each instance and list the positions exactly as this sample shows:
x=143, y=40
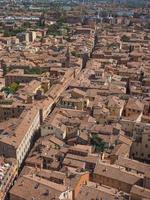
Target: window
x=142, y=154
x=146, y=145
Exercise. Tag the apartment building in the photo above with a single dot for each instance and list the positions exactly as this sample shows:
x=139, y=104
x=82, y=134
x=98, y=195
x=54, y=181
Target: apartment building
x=140, y=148
x=46, y=184
x=103, y=192
x=10, y=109
x=115, y=177
x=18, y=76
x=8, y=172
x=15, y=140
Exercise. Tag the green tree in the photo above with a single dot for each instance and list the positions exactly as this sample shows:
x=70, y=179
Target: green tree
x=125, y=38
x=74, y=53
x=61, y=20
x=11, y=89
x=98, y=143
x=33, y=70
x=26, y=25
x=54, y=29
x=14, y=32
x=14, y=87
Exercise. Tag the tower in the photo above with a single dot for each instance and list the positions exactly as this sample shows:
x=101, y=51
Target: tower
x=67, y=62
x=42, y=20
